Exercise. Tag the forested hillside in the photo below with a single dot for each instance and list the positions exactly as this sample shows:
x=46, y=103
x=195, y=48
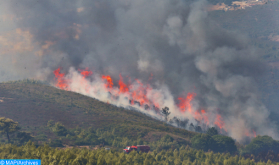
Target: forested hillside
x=50, y=117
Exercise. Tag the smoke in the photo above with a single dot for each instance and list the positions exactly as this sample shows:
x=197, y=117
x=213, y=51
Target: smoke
x=174, y=40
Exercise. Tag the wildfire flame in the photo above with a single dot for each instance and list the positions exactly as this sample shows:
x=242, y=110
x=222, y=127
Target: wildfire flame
x=249, y=134
x=138, y=92
x=254, y=133
x=185, y=103
x=202, y=116
x=123, y=88
x=85, y=72
x=109, y=82
x=61, y=82
x=219, y=122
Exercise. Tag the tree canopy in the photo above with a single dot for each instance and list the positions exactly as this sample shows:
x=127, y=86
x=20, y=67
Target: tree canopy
x=262, y=144
x=212, y=131
x=181, y=156
x=59, y=129
x=8, y=126
x=224, y=144
x=216, y=143
x=203, y=142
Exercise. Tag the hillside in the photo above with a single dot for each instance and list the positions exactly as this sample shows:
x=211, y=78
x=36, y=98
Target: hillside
x=34, y=104
x=66, y=119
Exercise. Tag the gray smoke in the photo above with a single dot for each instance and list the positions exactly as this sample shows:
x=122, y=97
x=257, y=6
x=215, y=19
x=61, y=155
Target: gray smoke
x=174, y=40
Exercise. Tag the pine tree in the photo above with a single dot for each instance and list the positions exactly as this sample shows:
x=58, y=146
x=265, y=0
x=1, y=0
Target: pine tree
x=8, y=126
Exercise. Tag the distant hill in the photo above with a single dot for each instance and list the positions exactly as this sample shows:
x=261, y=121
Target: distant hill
x=34, y=104
x=260, y=22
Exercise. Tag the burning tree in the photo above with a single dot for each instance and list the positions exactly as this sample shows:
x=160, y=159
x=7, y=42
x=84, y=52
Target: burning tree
x=166, y=113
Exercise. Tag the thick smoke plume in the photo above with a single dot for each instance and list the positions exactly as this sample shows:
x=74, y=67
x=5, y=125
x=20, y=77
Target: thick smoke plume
x=170, y=44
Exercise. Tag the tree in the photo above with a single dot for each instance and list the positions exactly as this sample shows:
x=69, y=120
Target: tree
x=166, y=113
x=167, y=138
x=203, y=142
x=212, y=131
x=262, y=144
x=8, y=126
x=23, y=137
x=59, y=129
x=183, y=123
x=50, y=123
x=198, y=129
x=224, y=144
x=192, y=127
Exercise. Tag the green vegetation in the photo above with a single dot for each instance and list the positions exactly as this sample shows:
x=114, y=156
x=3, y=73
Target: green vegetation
x=203, y=142
x=182, y=156
x=262, y=144
x=59, y=129
x=10, y=129
x=213, y=142
x=224, y=144
x=8, y=126
x=115, y=138
x=23, y=137
x=212, y=131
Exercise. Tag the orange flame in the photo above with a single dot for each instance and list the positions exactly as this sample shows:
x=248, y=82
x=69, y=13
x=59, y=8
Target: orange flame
x=185, y=103
x=109, y=83
x=122, y=86
x=248, y=133
x=219, y=122
x=137, y=92
x=61, y=82
x=201, y=116
x=85, y=72
x=254, y=133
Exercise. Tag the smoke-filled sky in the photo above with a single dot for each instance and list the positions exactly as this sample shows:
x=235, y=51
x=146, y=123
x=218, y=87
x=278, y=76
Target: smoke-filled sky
x=174, y=40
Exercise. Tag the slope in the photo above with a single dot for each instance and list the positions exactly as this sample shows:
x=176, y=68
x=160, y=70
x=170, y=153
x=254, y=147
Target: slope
x=33, y=104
